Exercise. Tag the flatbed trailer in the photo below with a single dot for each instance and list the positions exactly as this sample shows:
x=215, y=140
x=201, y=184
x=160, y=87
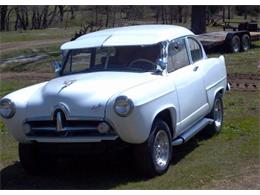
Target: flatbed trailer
x=229, y=41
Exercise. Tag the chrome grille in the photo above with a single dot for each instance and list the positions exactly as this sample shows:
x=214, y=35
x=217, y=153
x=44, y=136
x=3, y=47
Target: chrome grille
x=71, y=128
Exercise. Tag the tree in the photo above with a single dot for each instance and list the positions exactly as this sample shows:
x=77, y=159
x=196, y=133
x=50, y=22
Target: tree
x=3, y=9
x=198, y=19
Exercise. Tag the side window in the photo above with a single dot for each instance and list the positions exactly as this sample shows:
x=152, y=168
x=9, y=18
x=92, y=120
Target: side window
x=195, y=49
x=177, y=55
x=104, y=54
x=78, y=60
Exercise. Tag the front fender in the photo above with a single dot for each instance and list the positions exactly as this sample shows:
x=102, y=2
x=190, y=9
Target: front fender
x=136, y=127
x=20, y=98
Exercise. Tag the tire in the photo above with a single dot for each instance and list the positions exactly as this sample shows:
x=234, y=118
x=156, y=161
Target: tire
x=217, y=115
x=32, y=160
x=234, y=44
x=245, y=42
x=153, y=157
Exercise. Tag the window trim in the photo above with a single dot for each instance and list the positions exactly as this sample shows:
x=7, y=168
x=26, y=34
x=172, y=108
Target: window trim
x=189, y=50
x=68, y=57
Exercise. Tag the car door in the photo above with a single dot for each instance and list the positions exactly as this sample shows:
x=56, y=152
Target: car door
x=187, y=78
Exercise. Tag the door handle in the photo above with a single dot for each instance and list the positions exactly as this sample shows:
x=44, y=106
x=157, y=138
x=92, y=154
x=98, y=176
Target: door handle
x=195, y=68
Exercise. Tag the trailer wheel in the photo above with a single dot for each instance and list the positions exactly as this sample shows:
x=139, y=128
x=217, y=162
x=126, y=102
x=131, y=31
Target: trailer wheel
x=235, y=44
x=245, y=46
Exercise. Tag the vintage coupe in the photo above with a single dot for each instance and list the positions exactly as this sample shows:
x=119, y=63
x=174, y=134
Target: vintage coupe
x=151, y=86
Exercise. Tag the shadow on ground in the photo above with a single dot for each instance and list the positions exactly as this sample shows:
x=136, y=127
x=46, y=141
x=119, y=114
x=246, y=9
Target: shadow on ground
x=99, y=172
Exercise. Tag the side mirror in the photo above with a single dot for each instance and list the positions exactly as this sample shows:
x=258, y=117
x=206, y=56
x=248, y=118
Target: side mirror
x=160, y=66
x=57, y=68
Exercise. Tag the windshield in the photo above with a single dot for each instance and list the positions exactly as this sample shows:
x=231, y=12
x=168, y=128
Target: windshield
x=126, y=58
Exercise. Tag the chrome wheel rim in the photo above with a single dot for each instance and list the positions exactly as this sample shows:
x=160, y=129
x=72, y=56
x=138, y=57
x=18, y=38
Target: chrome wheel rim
x=218, y=114
x=161, y=149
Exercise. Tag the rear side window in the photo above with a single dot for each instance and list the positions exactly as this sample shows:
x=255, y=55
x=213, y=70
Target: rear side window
x=177, y=55
x=195, y=49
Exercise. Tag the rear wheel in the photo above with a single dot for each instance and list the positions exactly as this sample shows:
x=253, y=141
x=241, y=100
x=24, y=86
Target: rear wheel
x=217, y=115
x=234, y=44
x=153, y=156
x=245, y=45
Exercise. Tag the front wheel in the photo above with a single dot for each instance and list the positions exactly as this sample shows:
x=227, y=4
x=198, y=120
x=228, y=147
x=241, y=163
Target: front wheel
x=153, y=157
x=32, y=160
x=29, y=157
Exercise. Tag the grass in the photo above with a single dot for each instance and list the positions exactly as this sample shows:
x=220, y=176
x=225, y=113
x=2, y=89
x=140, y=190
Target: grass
x=31, y=35
x=246, y=62
x=7, y=86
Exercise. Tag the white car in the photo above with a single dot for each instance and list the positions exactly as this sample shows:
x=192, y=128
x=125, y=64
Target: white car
x=151, y=86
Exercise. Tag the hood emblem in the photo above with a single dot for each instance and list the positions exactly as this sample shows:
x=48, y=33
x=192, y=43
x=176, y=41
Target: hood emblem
x=66, y=84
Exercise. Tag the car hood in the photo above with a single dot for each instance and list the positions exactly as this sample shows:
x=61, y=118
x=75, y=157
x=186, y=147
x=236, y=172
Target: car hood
x=83, y=95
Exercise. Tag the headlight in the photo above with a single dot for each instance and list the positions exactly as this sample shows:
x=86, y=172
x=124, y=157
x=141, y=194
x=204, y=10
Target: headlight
x=7, y=108
x=123, y=106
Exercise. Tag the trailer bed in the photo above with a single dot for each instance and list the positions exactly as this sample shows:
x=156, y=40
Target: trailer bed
x=214, y=39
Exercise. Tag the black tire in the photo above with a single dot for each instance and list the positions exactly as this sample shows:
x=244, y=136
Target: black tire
x=28, y=157
x=217, y=115
x=145, y=154
x=245, y=42
x=234, y=44
x=32, y=160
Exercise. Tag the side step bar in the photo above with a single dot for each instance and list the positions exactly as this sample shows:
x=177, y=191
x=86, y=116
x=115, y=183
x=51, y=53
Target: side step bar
x=184, y=137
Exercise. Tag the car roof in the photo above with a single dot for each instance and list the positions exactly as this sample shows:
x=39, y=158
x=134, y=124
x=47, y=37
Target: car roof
x=128, y=36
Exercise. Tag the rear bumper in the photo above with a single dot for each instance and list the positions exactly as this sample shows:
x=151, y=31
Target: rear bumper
x=228, y=88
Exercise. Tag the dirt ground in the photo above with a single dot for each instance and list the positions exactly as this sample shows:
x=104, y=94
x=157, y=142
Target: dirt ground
x=246, y=178
x=244, y=81
x=32, y=76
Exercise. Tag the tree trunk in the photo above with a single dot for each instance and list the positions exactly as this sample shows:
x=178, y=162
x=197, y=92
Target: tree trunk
x=157, y=14
x=3, y=9
x=96, y=15
x=162, y=12
x=198, y=19
x=171, y=14
x=8, y=17
x=72, y=16
x=245, y=16
x=61, y=10
x=114, y=16
x=229, y=12
x=53, y=15
x=107, y=16
x=179, y=14
x=224, y=14
x=44, y=17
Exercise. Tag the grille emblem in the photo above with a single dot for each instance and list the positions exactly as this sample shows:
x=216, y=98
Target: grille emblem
x=59, y=125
